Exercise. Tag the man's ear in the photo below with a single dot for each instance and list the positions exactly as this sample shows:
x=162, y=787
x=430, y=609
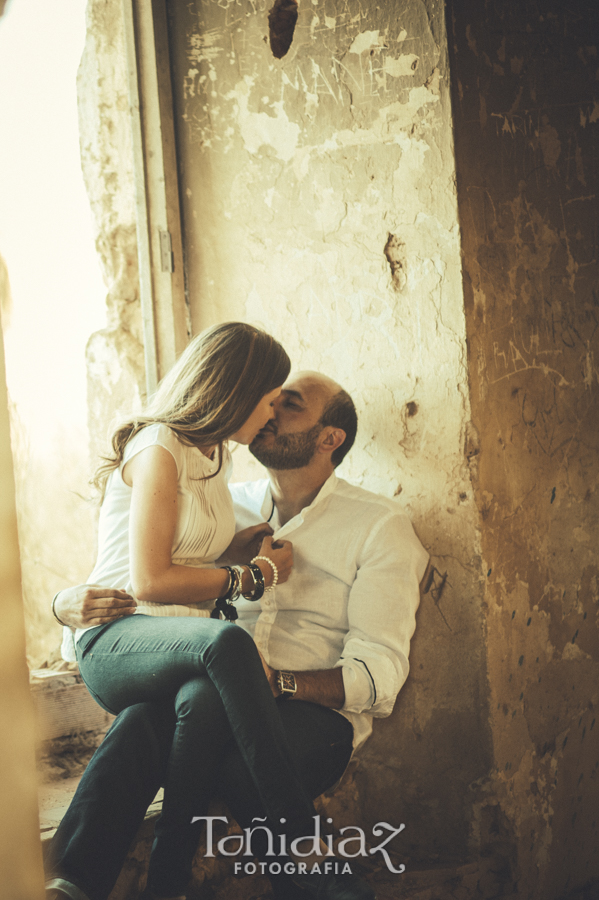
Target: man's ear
x=332, y=440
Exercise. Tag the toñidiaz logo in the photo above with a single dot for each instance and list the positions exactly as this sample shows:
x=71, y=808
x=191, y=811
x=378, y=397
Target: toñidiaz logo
x=350, y=847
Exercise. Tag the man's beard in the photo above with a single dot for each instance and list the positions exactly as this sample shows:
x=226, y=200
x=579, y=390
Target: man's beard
x=287, y=451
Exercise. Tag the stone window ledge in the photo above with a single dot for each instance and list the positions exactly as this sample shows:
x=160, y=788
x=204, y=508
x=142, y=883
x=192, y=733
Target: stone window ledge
x=63, y=705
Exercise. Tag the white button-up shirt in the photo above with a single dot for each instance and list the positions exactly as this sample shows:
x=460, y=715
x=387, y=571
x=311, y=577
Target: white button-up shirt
x=351, y=598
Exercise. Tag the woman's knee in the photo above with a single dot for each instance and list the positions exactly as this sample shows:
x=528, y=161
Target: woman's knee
x=232, y=641
x=198, y=696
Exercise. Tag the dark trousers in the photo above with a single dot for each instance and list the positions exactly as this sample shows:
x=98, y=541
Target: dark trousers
x=214, y=671
x=136, y=757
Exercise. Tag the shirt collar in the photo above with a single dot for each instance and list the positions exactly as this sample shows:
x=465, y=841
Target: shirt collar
x=325, y=491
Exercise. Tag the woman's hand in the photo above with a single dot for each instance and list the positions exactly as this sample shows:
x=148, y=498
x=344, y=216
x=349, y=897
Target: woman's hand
x=246, y=544
x=281, y=553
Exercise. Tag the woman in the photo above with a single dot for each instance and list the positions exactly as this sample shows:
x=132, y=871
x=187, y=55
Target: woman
x=166, y=516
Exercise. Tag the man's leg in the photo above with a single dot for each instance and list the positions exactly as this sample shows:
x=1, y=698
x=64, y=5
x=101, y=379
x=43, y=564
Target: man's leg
x=92, y=841
x=321, y=745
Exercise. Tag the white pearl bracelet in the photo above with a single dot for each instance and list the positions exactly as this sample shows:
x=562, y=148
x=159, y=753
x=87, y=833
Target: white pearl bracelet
x=275, y=571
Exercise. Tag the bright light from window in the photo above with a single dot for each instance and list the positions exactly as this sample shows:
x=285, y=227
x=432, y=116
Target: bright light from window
x=45, y=223
x=46, y=239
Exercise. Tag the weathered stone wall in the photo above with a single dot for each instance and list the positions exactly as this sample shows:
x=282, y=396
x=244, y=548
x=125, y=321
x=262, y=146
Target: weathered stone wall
x=20, y=849
x=116, y=376
x=318, y=200
x=526, y=106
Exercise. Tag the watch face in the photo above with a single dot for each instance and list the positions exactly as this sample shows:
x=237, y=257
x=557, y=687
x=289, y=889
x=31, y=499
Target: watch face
x=287, y=683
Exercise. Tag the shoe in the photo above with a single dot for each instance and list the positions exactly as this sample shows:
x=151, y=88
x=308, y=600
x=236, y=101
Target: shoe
x=60, y=889
x=334, y=887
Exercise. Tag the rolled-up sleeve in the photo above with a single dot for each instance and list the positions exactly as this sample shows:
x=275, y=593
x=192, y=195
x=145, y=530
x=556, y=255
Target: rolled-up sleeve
x=382, y=616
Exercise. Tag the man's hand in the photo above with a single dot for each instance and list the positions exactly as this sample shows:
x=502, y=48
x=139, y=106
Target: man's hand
x=246, y=544
x=88, y=604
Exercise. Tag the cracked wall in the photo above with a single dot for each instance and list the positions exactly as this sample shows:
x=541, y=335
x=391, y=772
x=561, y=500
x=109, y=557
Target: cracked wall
x=318, y=200
x=20, y=857
x=115, y=359
x=526, y=106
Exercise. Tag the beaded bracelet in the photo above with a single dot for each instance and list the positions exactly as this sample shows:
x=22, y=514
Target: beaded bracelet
x=275, y=571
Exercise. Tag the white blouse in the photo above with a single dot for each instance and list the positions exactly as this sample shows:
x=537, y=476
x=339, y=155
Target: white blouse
x=205, y=522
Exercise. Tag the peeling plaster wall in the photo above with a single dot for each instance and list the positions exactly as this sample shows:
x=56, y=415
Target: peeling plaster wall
x=20, y=856
x=318, y=200
x=20, y=850
x=526, y=104
x=115, y=363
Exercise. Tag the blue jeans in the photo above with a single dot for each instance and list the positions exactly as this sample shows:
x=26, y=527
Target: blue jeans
x=92, y=841
x=212, y=666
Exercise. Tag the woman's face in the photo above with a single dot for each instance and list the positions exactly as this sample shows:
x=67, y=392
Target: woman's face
x=262, y=414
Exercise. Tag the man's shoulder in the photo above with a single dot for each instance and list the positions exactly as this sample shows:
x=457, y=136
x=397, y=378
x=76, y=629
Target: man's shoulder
x=376, y=504
x=380, y=522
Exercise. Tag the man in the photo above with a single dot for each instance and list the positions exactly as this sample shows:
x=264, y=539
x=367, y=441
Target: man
x=334, y=638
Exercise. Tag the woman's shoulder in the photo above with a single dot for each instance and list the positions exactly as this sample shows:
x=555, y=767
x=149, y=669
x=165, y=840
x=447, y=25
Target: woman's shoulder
x=152, y=435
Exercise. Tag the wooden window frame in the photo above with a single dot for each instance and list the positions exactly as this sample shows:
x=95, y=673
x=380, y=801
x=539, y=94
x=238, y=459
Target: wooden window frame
x=165, y=311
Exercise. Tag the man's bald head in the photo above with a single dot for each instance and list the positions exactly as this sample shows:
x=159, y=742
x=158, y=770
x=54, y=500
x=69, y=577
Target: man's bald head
x=313, y=386
x=338, y=410
x=309, y=403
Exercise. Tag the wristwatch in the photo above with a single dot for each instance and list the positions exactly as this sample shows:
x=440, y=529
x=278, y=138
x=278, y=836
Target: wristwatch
x=286, y=683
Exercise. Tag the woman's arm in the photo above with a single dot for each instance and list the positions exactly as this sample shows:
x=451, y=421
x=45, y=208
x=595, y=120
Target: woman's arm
x=152, y=475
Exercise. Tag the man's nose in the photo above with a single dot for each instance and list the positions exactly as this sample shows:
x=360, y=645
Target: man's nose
x=275, y=407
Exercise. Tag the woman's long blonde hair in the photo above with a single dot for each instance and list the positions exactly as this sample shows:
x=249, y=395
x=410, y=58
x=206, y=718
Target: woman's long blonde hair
x=210, y=392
